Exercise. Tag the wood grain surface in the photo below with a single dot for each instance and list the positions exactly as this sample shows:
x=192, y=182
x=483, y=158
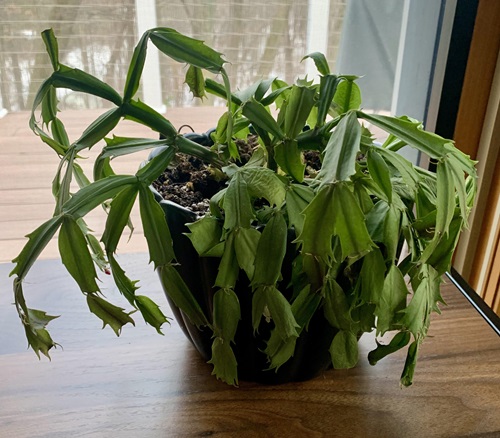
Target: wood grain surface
x=146, y=385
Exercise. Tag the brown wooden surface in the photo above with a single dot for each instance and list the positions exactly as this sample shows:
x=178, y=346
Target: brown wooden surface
x=146, y=385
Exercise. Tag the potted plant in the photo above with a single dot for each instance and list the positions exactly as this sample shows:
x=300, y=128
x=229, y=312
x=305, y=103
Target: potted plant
x=302, y=247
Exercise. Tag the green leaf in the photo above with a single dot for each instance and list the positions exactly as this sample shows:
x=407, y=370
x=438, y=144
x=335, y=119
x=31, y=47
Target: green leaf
x=89, y=197
x=344, y=350
x=259, y=116
x=118, y=216
x=327, y=89
x=39, y=340
x=82, y=179
x=375, y=220
x=467, y=165
x=445, y=198
x=441, y=255
x=349, y=224
x=76, y=257
x=403, y=168
x=61, y=189
x=393, y=143
x=279, y=350
x=98, y=129
x=400, y=340
x=298, y=197
x=189, y=147
x=372, y=276
x=188, y=50
x=459, y=183
x=304, y=307
x=410, y=132
x=347, y=96
x=220, y=134
x=142, y=113
x=78, y=80
x=264, y=183
x=59, y=133
x=58, y=148
x=228, y=267
x=151, y=312
x=416, y=316
x=102, y=169
x=119, y=146
x=156, y=166
x=319, y=224
x=126, y=286
x=280, y=312
x=224, y=362
x=226, y=314
x=336, y=308
x=271, y=251
x=249, y=92
x=274, y=95
x=39, y=319
x=392, y=300
x=205, y=234
x=196, y=81
x=263, y=88
x=300, y=103
x=49, y=106
x=136, y=68
x=38, y=240
x=237, y=205
x=155, y=229
x=51, y=46
x=289, y=158
x=379, y=171
x=245, y=248
x=341, y=151
x=40, y=96
x=96, y=250
x=320, y=62
x=259, y=303
x=110, y=314
x=392, y=229
x=363, y=195
x=179, y=293
x=218, y=90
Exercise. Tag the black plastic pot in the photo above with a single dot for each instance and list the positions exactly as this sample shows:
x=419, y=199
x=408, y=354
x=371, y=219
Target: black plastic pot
x=311, y=355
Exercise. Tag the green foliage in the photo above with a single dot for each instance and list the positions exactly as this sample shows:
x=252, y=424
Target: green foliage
x=312, y=243
x=341, y=151
x=344, y=350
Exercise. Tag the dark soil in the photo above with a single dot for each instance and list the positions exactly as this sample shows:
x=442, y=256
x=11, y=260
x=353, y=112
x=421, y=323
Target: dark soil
x=191, y=183
x=313, y=163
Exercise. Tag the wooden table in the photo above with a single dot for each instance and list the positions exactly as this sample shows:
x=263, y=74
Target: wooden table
x=145, y=385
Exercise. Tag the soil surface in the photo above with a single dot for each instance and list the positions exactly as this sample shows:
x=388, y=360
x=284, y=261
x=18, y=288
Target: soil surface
x=191, y=183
